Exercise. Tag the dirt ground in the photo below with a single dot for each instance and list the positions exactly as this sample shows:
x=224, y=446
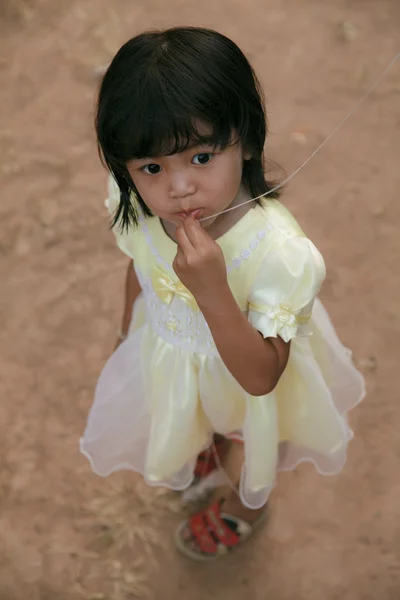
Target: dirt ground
x=66, y=534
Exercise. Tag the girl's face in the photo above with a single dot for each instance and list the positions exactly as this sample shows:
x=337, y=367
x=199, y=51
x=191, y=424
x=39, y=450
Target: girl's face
x=200, y=181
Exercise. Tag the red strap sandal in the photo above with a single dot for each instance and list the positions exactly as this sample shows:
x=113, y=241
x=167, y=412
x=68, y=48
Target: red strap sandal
x=207, y=460
x=210, y=534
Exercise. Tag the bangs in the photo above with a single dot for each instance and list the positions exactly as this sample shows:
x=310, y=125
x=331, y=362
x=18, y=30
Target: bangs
x=164, y=134
x=166, y=91
x=159, y=101
x=162, y=121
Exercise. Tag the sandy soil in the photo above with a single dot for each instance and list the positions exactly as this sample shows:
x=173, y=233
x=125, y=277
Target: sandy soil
x=66, y=534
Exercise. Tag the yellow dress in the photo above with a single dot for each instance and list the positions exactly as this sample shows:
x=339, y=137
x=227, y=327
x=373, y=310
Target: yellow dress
x=165, y=391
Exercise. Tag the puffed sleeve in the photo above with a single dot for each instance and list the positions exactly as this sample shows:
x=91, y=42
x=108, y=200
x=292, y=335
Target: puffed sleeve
x=123, y=238
x=285, y=287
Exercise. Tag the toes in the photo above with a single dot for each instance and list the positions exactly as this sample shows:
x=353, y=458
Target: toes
x=189, y=540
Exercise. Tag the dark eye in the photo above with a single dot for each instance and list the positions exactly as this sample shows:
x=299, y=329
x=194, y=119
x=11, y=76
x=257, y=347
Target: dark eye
x=151, y=169
x=203, y=158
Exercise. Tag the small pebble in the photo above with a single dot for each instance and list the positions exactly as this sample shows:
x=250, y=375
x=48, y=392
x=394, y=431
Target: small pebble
x=99, y=72
x=378, y=211
x=299, y=137
x=347, y=31
x=368, y=364
x=22, y=247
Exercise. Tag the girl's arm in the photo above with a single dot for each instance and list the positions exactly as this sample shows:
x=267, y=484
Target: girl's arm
x=132, y=291
x=255, y=362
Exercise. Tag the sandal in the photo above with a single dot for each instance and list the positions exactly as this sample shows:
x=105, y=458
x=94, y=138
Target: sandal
x=213, y=534
x=207, y=475
x=207, y=462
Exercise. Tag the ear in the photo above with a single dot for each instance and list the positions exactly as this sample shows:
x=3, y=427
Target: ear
x=247, y=155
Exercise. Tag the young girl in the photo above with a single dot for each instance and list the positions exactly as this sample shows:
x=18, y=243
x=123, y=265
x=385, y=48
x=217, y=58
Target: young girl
x=222, y=332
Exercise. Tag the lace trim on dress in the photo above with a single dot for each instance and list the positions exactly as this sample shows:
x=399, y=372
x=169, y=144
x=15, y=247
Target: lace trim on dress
x=235, y=263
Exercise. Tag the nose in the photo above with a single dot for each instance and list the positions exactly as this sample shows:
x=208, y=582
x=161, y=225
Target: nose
x=181, y=186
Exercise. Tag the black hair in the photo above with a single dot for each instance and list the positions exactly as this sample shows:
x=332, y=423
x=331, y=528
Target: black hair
x=157, y=90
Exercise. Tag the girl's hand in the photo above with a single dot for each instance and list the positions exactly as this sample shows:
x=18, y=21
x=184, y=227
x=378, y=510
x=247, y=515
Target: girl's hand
x=199, y=262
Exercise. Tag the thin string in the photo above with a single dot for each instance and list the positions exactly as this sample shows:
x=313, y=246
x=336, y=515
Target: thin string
x=277, y=187
x=351, y=113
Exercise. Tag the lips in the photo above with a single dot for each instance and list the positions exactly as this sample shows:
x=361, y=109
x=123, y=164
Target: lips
x=196, y=213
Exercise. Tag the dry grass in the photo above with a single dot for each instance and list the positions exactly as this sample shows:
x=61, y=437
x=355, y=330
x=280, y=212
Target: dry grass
x=17, y=9
x=126, y=543
x=23, y=10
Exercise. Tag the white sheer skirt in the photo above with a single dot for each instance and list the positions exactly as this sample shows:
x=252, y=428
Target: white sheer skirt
x=157, y=407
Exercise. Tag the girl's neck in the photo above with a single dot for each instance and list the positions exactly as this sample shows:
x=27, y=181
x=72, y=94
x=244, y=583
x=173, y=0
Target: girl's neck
x=227, y=220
